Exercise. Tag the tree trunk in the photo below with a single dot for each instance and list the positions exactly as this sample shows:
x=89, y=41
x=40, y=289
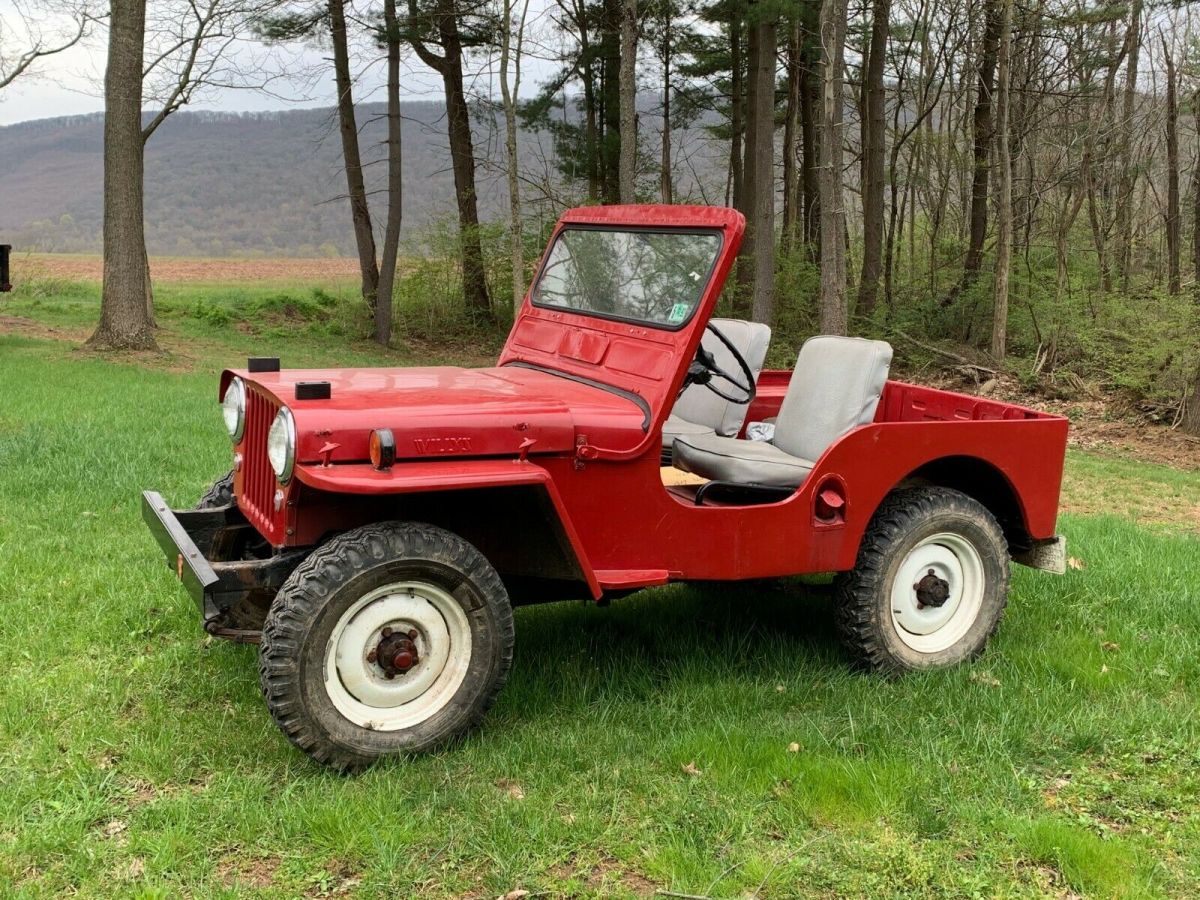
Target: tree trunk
x=507, y=94
x=791, y=139
x=125, y=320
x=1133, y=41
x=364, y=237
x=736, y=122
x=745, y=260
x=763, y=306
x=462, y=156
x=983, y=130
x=1004, y=218
x=809, y=154
x=873, y=158
x=395, y=188
x=833, y=216
x=665, y=181
x=1191, y=418
x=462, y=153
x=1173, y=279
x=628, y=90
x=1196, y=207
x=610, y=99
x=591, y=128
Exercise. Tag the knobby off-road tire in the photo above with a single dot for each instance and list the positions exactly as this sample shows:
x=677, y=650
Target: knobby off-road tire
x=333, y=628
x=219, y=493
x=919, y=532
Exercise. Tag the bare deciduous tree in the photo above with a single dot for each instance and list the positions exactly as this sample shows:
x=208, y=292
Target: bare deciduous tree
x=832, y=305
x=628, y=90
x=395, y=178
x=511, y=55
x=26, y=39
x=1004, y=213
x=166, y=60
x=441, y=25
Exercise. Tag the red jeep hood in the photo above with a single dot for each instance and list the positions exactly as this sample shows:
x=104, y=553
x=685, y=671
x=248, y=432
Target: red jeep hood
x=448, y=411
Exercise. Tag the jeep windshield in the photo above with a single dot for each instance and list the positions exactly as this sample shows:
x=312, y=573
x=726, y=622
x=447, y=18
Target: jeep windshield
x=652, y=277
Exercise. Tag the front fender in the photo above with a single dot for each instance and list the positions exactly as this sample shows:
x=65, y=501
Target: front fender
x=457, y=482
x=418, y=477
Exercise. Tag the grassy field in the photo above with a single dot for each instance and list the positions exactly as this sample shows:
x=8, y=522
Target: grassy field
x=702, y=741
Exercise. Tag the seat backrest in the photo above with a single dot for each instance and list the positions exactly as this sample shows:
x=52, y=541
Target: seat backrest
x=700, y=405
x=835, y=387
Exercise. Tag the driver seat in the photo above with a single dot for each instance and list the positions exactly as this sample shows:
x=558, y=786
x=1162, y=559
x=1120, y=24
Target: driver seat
x=699, y=411
x=835, y=387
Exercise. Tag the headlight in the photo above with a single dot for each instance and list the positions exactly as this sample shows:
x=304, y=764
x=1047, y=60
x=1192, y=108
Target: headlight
x=281, y=444
x=233, y=409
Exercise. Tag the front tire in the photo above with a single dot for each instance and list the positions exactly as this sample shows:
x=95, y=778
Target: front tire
x=390, y=638
x=930, y=584
x=219, y=493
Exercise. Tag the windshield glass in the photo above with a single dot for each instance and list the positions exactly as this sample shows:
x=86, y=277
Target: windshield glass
x=656, y=277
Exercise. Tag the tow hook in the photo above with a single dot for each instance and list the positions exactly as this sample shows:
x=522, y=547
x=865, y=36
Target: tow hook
x=395, y=653
x=932, y=591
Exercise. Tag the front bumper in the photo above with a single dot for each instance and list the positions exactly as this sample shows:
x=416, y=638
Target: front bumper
x=206, y=549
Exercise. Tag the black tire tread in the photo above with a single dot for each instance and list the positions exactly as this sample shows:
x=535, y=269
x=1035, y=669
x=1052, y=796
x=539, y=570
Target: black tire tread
x=856, y=612
x=320, y=574
x=219, y=493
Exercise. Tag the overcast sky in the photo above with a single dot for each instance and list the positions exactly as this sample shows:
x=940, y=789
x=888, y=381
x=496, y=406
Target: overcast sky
x=70, y=83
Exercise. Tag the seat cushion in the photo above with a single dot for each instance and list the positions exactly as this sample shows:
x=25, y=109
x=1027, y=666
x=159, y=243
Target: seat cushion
x=744, y=462
x=675, y=427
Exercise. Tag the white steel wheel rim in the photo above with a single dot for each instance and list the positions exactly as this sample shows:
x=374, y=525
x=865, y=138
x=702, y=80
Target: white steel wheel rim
x=359, y=688
x=930, y=629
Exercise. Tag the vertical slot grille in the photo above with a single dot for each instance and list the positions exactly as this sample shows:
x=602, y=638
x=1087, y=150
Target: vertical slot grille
x=257, y=497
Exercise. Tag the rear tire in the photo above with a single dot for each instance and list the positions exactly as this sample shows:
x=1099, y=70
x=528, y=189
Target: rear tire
x=390, y=638
x=930, y=584
x=219, y=493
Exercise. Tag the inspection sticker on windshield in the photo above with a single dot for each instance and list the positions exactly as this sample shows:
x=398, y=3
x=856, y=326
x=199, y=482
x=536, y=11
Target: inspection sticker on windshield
x=679, y=312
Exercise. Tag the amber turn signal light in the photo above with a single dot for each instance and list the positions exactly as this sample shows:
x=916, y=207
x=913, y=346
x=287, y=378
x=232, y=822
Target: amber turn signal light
x=382, y=448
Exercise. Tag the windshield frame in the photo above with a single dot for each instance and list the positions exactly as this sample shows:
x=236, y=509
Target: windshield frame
x=718, y=233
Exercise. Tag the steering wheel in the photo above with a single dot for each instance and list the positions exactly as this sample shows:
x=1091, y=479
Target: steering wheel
x=705, y=368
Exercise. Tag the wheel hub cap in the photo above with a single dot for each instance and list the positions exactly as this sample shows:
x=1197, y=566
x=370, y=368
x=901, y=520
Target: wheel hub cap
x=396, y=652
x=937, y=592
x=932, y=591
x=397, y=655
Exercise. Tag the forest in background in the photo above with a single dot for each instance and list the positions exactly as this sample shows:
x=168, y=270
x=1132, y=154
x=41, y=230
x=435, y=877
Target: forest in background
x=1011, y=187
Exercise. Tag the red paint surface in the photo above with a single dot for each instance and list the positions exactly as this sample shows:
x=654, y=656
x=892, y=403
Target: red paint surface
x=590, y=450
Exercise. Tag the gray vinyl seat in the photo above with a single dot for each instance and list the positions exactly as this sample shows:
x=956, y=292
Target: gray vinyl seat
x=699, y=411
x=835, y=387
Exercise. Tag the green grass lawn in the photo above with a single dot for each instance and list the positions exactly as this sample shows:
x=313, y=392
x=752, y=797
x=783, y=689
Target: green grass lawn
x=704, y=741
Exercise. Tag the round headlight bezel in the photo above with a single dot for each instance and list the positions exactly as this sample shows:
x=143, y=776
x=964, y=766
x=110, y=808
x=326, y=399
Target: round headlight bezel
x=235, y=392
x=285, y=421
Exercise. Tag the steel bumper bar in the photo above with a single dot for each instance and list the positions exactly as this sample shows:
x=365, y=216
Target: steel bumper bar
x=196, y=543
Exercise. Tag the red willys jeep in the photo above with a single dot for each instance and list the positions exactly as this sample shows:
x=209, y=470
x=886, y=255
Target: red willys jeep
x=379, y=525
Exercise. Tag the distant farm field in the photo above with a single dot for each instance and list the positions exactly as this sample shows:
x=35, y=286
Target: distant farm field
x=192, y=270
x=688, y=740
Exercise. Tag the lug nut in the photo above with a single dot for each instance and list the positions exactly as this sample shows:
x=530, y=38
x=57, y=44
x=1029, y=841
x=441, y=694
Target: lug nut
x=412, y=634
x=387, y=632
x=372, y=656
